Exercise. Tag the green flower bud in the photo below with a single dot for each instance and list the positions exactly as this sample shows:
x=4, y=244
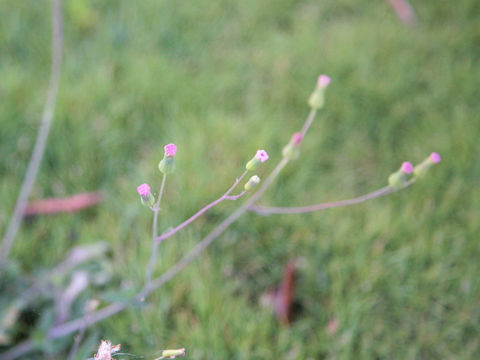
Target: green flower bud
x=148, y=200
x=317, y=99
x=252, y=183
x=260, y=157
x=399, y=179
x=421, y=169
x=146, y=196
x=291, y=151
x=167, y=165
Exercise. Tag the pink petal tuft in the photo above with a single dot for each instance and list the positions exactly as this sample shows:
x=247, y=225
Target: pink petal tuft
x=435, y=157
x=261, y=155
x=323, y=81
x=407, y=167
x=170, y=150
x=143, y=190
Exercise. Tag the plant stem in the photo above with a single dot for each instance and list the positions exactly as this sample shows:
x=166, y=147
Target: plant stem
x=112, y=309
x=235, y=197
x=267, y=210
x=42, y=135
x=153, y=256
x=203, y=210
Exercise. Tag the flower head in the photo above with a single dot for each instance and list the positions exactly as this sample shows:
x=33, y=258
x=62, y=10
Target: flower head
x=323, y=81
x=143, y=190
x=106, y=350
x=170, y=150
x=407, y=167
x=435, y=157
x=261, y=155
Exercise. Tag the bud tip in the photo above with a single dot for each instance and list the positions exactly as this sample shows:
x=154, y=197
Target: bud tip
x=297, y=139
x=261, y=155
x=435, y=157
x=323, y=81
x=407, y=167
x=170, y=150
x=143, y=190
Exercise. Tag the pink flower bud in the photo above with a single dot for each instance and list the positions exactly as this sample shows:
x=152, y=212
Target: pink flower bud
x=261, y=155
x=170, y=150
x=407, y=167
x=435, y=157
x=143, y=190
x=323, y=81
x=297, y=139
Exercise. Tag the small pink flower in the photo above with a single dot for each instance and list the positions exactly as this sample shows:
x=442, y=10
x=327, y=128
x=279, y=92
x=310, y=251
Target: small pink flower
x=407, y=167
x=323, y=81
x=261, y=155
x=297, y=139
x=435, y=157
x=143, y=190
x=170, y=150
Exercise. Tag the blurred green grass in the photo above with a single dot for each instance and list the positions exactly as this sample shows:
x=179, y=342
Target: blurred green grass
x=221, y=79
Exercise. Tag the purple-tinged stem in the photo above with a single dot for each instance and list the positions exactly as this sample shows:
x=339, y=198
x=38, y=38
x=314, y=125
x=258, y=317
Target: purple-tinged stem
x=268, y=210
x=235, y=197
x=203, y=210
x=308, y=122
x=153, y=256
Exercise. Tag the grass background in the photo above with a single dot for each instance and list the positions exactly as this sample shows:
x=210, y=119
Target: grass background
x=221, y=79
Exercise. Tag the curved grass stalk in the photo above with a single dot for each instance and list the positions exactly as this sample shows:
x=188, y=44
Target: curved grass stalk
x=42, y=135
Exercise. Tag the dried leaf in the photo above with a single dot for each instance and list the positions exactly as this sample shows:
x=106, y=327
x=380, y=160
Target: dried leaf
x=68, y=204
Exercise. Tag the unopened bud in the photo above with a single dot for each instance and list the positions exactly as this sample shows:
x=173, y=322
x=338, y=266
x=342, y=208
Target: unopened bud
x=260, y=157
x=399, y=178
x=252, y=182
x=145, y=195
x=317, y=99
x=167, y=164
x=421, y=169
x=291, y=151
x=172, y=354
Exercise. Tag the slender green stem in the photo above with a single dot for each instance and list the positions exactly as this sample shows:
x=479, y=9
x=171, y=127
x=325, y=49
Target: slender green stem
x=153, y=256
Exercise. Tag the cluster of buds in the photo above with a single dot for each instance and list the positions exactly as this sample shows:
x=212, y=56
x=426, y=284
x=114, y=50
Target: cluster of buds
x=260, y=157
x=166, y=166
x=399, y=178
x=317, y=99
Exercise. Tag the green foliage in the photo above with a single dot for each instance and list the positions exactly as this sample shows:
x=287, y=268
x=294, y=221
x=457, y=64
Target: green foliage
x=222, y=79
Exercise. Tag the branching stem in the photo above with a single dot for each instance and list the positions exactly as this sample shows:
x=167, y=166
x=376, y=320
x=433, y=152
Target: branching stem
x=204, y=210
